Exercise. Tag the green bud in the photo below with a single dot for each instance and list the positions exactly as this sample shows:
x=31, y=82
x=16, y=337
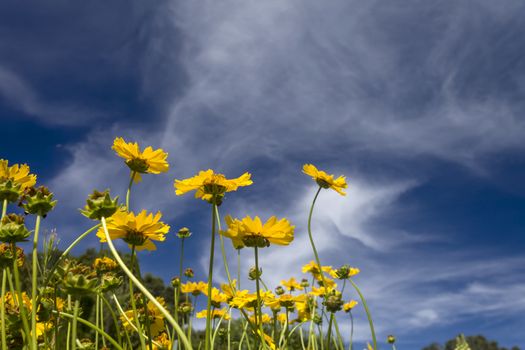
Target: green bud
x=334, y=302
x=185, y=307
x=189, y=273
x=109, y=282
x=175, y=282
x=6, y=256
x=318, y=319
x=305, y=283
x=254, y=274
x=100, y=204
x=38, y=201
x=184, y=233
x=391, y=339
x=279, y=290
x=12, y=229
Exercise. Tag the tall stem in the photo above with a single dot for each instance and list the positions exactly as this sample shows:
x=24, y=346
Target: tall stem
x=21, y=304
x=317, y=260
x=329, y=335
x=133, y=303
x=210, y=280
x=128, y=192
x=74, y=332
x=34, y=282
x=351, y=345
x=223, y=251
x=368, y=315
x=143, y=289
x=4, y=210
x=2, y=310
x=258, y=289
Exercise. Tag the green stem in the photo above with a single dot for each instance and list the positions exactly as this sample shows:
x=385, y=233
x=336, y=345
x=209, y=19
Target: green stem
x=239, y=269
x=113, y=316
x=2, y=310
x=143, y=289
x=258, y=289
x=128, y=192
x=351, y=345
x=75, y=319
x=21, y=304
x=207, y=345
x=133, y=303
x=102, y=323
x=34, y=286
x=97, y=319
x=329, y=332
x=4, y=210
x=223, y=250
x=92, y=326
x=368, y=315
x=317, y=260
x=339, y=337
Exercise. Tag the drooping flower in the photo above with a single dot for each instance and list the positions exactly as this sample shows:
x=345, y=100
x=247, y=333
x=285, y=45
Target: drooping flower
x=14, y=179
x=350, y=305
x=252, y=233
x=211, y=186
x=325, y=180
x=136, y=230
x=148, y=161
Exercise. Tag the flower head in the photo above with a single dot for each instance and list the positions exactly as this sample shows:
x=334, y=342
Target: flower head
x=324, y=180
x=292, y=284
x=210, y=186
x=136, y=230
x=349, y=306
x=141, y=162
x=221, y=313
x=14, y=179
x=253, y=233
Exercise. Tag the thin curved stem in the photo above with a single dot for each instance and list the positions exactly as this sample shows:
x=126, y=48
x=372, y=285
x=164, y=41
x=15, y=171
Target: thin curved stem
x=92, y=326
x=143, y=289
x=351, y=345
x=223, y=250
x=207, y=345
x=317, y=260
x=134, y=304
x=259, y=303
x=113, y=316
x=368, y=315
x=34, y=286
x=4, y=210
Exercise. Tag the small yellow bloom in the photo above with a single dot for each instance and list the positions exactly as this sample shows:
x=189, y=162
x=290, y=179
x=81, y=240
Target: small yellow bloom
x=349, y=306
x=252, y=233
x=216, y=296
x=313, y=268
x=19, y=174
x=211, y=186
x=194, y=288
x=292, y=284
x=223, y=313
x=141, y=162
x=244, y=299
x=136, y=230
x=162, y=342
x=104, y=264
x=265, y=319
x=324, y=180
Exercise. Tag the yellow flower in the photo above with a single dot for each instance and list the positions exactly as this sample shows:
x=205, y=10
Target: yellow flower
x=324, y=180
x=14, y=180
x=136, y=230
x=281, y=317
x=216, y=297
x=265, y=319
x=252, y=233
x=229, y=290
x=156, y=318
x=210, y=186
x=104, y=264
x=292, y=284
x=313, y=268
x=194, y=288
x=223, y=313
x=162, y=342
x=349, y=306
x=148, y=161
x=243, y=299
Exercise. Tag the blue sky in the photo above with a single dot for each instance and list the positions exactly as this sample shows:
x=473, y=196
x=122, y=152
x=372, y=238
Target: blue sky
x=419, y=103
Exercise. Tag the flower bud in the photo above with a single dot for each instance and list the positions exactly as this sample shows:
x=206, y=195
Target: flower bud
x=104, y=264
x=254, y=274
x=100, y=204
x=279, y=290
x=6, y=256
x=12, y=229
x=175, y=282
x=38, y=201
x=318, y=319
x=185, y=307
x=333, y=302
x=184, y=232
x=109, y=282
x=189, y=273
x=391, y=339
x=305, y=283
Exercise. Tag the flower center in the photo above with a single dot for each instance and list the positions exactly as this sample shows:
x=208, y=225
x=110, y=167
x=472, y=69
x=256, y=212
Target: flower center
x=137, y=164
x=255, y=240
x=323, y=183
x=135, y=237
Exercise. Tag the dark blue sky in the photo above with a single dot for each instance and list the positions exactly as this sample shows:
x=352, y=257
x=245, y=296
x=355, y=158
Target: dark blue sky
x=419, y=103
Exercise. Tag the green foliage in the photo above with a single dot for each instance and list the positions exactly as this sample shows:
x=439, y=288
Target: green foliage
x=475, y=342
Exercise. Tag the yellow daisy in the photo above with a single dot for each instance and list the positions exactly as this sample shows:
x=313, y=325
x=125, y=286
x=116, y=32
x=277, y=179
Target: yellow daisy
x=324, y=180
x=222, y=313
x=349, y=306
x=141, y=162
x=194, y=288
x=17, y=173
x=136, y=230
x=211, y=186
x=252, y=233
x=292, y=284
